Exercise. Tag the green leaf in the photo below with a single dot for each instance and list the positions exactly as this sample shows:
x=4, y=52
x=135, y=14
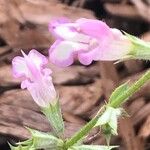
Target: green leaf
x=91, y=147
x=45, y=140
x=109, y=122
x=39, y=140
x=54, y=115
x=118, y=91
x=130, y=91
x=109, y=117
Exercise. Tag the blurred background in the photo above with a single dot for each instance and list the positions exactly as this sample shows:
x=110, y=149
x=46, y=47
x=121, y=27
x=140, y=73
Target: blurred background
x=83, y=90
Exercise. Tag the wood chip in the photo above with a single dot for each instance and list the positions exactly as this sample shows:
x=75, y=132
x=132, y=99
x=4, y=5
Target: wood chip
x=34, y=13
x=128, y=135
x=141, y=114
x=145, y=129
x=136, y=105
x=134, y=66
x=6, y=77
x=122, y=10
x=18, y=110
x=80, y=99
x=74, y=75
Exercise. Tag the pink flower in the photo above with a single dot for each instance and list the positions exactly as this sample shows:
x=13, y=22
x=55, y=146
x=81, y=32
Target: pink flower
x=87, y=40
x=35, y=77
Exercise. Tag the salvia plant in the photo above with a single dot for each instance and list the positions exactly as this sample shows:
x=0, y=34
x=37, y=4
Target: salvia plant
x=86, y=40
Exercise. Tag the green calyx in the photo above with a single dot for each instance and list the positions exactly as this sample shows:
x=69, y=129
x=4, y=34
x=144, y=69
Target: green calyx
x=139, y=49
x=54, y=116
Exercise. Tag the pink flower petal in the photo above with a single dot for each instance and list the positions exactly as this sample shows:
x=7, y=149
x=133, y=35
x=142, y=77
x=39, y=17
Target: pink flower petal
x=62, y=53
x=94, y=28
x=59, y=28
x=71, y=35
x=46, y=71
x=54, y=23
x=86, y=58
x=24, y=84
x=117, y=34
x=37, y=58
x=19, y=67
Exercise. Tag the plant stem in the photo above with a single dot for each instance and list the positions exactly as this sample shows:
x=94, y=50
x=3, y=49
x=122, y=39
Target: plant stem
x=79, y=135
x=84, y=130
x=120, y=100
x=131, y=90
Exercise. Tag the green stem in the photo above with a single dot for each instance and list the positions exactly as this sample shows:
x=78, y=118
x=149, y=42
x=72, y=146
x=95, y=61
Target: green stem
x=84, y=130
x=79, y=135
x=121, y=99
x=131, y=90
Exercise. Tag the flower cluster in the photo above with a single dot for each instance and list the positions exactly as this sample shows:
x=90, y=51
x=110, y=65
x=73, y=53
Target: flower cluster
x=85, y=40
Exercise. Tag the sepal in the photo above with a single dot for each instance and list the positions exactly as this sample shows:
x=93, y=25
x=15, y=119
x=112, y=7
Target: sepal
x=54, y=116
x=118, y=92
x=108, y=121
x=110, y=117
x=21, y=147
x=136, y=40
x=140, y=49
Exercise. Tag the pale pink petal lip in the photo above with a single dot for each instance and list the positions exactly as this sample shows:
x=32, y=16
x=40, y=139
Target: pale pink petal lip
x=19, y=67
x=20, y=64
x=61, y=53
x=37, y=58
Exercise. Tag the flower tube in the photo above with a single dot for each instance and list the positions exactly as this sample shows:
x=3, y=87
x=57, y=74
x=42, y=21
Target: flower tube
x=35, y=77
x=87, y=40
x=92, y=40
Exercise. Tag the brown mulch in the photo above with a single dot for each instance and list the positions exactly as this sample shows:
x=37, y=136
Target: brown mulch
x=83, y=90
